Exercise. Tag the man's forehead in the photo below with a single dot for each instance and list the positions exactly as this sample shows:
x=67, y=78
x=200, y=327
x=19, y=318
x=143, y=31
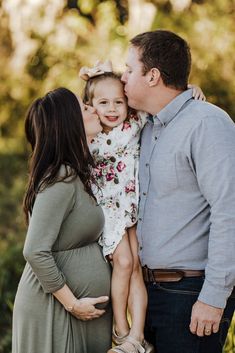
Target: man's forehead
x=133, y=55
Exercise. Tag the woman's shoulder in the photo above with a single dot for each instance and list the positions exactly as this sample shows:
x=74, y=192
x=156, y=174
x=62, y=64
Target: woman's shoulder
x=59, y=195
x=63, y=184
x=69, y=179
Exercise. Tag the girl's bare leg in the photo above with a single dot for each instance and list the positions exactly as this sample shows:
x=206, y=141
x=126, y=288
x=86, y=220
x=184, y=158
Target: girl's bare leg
x=122, y=269
x=137, y=302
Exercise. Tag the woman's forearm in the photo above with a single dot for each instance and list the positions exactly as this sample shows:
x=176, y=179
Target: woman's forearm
x=65, y=297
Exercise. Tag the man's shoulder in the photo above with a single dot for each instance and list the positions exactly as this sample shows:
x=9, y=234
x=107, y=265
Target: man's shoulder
x=197, y=112
x=206, y=109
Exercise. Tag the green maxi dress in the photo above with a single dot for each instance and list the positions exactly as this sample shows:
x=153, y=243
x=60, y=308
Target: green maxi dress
x=61, y=247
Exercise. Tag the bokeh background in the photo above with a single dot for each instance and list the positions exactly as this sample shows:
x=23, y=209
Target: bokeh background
x=43, y=43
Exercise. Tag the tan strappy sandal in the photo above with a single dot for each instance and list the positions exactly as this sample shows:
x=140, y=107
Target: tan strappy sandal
x=118, y=339
x=145, y=347
x=149, y=348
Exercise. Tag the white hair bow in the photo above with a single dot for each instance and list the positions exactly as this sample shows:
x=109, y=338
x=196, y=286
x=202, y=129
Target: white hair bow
x=99, y=69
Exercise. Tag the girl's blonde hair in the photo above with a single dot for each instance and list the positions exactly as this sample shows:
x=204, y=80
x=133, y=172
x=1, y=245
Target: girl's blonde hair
x=91, y=83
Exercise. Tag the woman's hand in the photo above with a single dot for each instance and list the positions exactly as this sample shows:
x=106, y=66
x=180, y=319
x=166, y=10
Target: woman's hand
x=84, y=309
x=197, y=92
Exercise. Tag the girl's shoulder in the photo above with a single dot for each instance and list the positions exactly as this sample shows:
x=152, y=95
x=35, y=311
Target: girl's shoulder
x=135, y=118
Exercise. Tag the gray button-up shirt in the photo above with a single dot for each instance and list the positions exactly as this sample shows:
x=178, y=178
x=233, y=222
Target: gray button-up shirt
x=187, y=194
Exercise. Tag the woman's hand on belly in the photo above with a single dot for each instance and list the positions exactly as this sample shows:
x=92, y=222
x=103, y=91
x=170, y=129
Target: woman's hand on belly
x=85, y=308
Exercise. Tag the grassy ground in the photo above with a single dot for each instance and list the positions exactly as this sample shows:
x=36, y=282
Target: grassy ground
x=229, y=346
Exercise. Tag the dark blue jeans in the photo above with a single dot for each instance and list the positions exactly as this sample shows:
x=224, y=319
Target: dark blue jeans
x=168, y=318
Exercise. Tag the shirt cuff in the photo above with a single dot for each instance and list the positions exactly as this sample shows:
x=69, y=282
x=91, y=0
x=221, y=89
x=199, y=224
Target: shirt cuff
x=214, y=296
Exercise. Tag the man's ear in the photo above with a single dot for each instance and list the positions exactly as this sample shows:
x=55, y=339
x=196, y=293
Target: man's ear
x=154, y=76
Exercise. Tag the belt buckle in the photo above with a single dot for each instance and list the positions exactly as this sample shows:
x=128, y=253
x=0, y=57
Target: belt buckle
x=149, y=275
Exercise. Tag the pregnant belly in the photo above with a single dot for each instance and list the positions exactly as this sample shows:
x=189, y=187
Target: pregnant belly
x=85, y=270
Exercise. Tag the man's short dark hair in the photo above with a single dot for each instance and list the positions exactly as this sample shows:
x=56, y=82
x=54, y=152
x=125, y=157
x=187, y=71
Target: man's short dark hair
x=167, y=52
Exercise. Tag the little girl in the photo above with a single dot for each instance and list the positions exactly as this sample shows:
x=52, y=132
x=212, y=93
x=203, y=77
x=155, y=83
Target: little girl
x=116, y=155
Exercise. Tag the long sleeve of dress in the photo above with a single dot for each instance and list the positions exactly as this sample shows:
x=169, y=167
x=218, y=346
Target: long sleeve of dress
x=50, y=209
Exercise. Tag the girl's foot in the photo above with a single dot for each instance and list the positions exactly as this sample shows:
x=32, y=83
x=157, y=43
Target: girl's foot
x=131, y=345
x=118, y=339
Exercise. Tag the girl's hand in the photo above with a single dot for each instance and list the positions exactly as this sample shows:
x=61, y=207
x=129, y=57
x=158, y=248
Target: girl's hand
x=109, y=257
x=197, y=92
x=84, y=309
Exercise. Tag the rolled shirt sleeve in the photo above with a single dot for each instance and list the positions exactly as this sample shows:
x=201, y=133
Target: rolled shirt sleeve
x=213, y=155
x=50, y=209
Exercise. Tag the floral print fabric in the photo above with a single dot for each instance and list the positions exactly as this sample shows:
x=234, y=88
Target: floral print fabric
x=116, y=156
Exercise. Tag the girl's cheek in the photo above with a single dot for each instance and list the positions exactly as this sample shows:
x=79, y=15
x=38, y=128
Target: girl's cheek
x=98, y=111
x=94, y=104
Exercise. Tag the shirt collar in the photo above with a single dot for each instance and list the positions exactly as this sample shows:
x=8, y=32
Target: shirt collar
x=171, y=109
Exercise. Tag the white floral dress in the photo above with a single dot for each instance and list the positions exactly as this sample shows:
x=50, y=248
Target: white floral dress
x=116, y=156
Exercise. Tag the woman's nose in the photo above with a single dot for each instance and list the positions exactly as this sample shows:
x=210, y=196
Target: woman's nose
x=90, y=108
x=123, y=78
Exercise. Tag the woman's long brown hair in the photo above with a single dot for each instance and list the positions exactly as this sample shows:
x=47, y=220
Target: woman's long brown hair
x=55, y=130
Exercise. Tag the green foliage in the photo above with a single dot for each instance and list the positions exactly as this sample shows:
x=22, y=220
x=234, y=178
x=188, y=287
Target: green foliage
x=43, y=44
x=11, y=264
x=12, y=230
x=229, y=346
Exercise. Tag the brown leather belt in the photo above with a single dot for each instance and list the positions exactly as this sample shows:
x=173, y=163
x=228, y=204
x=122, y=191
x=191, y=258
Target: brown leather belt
x=168, y=275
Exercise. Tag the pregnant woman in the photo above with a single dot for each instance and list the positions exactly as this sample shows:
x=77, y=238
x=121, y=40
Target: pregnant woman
x=62, y=301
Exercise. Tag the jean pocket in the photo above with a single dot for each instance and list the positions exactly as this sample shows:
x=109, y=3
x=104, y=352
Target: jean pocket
x=178, y=291
x=188, y=286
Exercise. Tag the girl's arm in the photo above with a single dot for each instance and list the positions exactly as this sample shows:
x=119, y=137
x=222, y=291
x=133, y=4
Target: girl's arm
x=197, y=92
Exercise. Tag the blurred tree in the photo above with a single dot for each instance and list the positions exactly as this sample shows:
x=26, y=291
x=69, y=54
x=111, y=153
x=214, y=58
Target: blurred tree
x=42, y=46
